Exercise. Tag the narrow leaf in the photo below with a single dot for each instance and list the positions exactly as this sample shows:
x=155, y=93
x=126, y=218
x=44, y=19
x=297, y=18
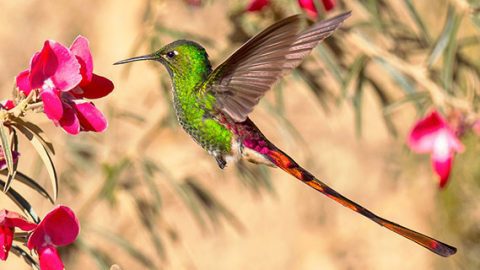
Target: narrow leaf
x=102, y=260
x=7, y=152
x=21, y=202
x=357, y=103
x=359, y=64
x=25, y=255
x=397, y=76
x=444, y=37
x=330, y=61
x=418, y=19
x=37, y=131
x=26, y=180
x=127, y=246
x=416, y=97
x=43, y=152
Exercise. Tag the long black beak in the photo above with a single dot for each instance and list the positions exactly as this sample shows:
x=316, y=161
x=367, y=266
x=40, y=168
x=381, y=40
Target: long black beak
x=138, y=58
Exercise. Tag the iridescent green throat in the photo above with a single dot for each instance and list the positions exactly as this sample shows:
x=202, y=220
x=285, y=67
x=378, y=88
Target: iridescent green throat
x=193, y=105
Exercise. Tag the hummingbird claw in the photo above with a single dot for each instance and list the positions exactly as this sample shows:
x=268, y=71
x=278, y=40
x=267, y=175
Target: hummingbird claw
x=221, y=162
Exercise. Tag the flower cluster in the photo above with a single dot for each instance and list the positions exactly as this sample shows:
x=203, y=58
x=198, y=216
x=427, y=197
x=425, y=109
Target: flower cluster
x=434, y=135
x=307, y=5
x=64, y=78
x=60, y=227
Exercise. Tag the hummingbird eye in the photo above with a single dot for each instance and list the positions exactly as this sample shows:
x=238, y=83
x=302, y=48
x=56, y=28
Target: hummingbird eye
x=171, y=54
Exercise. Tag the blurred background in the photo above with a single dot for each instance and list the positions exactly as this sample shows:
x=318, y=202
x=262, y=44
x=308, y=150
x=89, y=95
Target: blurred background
x=148, y=197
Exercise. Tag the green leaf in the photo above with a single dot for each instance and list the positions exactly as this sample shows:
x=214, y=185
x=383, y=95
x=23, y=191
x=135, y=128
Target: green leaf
x=397, y=76
x=101, y=258
x=450, y=54
x=112, y=177
x=25, y=255
x=330, y=61
x=254, y=177
x=413, y=97
x=21, y=202
x=418, y=19
x=37, y=131
x=449, y=30
x=357, y=103
x=43, y=151
x=127, y=246
x=359, y=64
x=212, y=207
x=22, y=178
x=148, y=216
x=149, y=169
x=7, y=151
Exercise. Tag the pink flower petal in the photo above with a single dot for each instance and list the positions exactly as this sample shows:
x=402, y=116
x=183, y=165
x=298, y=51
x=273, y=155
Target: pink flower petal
x=423, y=134
x=476, y=127
x=52, y=105
x=97, y=88
x=81, y=50
x=69, y=121
x=14, y=219
x=442, y=166
x=7, y=104
x=426, y=131
x=57, y=63
x=309, y=7
x=329, y=4
x=61, y=225
x=256, y=5
x=49, y=259
x=23, y=82
x=91, y=119
x=6, y=239
x=3, y=162
x=8, y=221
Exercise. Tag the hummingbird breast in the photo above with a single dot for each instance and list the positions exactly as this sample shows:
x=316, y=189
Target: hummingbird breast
x=201, y=125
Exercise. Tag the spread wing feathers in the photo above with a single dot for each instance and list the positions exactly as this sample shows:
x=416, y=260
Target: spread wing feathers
x=247, y=74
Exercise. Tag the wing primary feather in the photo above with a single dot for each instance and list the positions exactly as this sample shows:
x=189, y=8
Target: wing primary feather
x=242, y=80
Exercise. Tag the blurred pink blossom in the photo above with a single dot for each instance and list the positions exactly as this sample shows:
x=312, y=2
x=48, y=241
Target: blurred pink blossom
x=309, y=6
x=433, y=135
x=3, y=162
x=64, y=77
x=256, y=5
x=60, y=227
x=7, y=104
x=8, y=221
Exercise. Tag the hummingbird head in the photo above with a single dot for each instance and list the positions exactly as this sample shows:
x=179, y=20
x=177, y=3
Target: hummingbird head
x=180, y=58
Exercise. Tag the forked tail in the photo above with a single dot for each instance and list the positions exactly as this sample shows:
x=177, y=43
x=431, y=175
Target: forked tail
x=283, y=161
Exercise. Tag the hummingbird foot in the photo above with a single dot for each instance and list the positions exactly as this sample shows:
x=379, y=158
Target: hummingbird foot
x=221, y=162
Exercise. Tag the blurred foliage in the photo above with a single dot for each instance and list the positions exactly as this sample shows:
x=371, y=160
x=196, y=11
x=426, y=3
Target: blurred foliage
x=385, y=44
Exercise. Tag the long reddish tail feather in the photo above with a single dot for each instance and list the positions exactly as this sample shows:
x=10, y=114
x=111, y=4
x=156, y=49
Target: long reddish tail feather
x=283, y=161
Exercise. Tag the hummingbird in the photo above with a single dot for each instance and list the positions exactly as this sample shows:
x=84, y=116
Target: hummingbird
x=212, y=105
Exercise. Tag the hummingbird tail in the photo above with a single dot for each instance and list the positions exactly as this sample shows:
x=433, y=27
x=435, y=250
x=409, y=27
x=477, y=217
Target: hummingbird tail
x=283, y=161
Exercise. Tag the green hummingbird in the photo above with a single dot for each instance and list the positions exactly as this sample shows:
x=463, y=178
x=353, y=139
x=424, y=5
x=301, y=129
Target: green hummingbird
x=212, y=106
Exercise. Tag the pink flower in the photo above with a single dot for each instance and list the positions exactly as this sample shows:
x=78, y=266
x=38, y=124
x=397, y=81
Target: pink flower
x=7, y=104
x=309, y=6
x=64, y=78
x=8, y=221
x=60, y=227
x=3, y=161
x=433, y=135
x=257, y=5
x=194, y=3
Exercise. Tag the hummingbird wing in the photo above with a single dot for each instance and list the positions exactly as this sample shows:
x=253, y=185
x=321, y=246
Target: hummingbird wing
x=240, y=81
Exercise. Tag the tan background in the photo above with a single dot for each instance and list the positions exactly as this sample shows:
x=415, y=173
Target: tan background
x=296, y=228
